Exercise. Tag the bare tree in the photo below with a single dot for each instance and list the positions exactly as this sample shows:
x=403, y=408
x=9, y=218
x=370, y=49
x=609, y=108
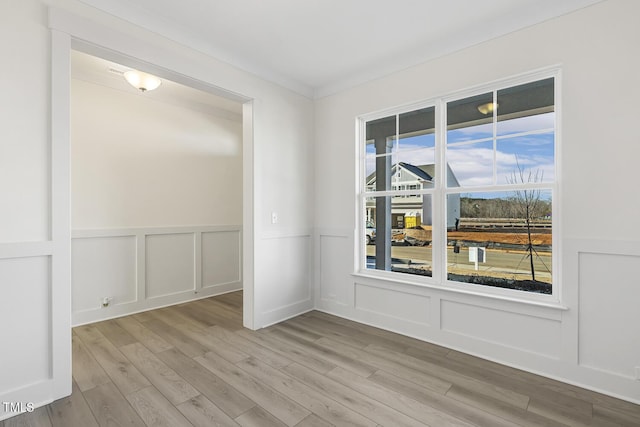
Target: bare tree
x=527, y=202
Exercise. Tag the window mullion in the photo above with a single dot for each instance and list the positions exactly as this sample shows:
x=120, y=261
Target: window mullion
x=495, y=134
x=439, y=244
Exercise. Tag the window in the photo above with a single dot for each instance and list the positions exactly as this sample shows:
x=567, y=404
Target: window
x=460, y=190
x=399, y=149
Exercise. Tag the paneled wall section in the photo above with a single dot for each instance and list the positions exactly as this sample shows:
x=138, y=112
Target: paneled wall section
x=25, y=283
x=285, y=270
x=144, y=268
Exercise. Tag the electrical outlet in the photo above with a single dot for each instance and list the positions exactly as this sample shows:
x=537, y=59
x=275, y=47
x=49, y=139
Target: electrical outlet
x=274, y=217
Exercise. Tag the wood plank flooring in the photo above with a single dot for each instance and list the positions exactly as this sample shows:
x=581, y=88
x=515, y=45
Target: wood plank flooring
x=194, y=365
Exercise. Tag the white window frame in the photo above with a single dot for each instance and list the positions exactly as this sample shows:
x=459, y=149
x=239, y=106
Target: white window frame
x=440, y=191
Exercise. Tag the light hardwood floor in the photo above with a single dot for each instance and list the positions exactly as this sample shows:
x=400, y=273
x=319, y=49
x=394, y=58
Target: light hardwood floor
x=194, y=364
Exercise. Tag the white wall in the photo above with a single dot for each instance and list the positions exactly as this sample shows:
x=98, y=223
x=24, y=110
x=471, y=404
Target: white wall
x=24, y=160
x=594, y=341
x=26, y=248
x=141, y=162
x=277, y=151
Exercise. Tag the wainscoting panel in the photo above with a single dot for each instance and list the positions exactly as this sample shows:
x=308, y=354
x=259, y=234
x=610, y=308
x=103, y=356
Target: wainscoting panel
x=393, y=304
x=291, y=278
x=144, y=268
x=26, y=339
x=221, y=258
x=508, y=329
x=335, y=251
x=285, y=273
x=609, y=331
x=103, y=267
x=170, y=260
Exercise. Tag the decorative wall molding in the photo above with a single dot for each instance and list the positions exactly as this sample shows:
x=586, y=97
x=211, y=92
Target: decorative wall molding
x=285, y=269
x=25, y=249
x=139, y=269
x=25, y=281
x=398, y=306
x=606, y=273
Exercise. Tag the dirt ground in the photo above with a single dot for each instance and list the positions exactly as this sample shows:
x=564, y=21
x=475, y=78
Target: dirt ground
x=424, y=233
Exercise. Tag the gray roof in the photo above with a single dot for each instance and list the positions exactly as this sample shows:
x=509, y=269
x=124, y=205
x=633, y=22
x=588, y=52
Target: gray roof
x=424, y=172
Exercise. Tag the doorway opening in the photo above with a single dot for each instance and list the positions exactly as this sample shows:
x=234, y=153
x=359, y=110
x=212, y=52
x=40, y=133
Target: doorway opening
x=156, y=188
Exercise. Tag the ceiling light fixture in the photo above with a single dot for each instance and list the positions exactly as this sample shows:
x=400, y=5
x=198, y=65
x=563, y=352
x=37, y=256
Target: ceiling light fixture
x=142, y=81
x=488, y=107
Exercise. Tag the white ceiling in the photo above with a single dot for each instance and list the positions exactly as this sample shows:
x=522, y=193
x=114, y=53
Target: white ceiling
x=106, y=73
x=318, y=47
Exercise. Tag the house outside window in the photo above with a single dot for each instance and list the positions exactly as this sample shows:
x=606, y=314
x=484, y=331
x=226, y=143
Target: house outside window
x=461, y=189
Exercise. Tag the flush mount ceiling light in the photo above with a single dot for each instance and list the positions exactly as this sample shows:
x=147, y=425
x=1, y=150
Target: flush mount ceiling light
x=488, y=107
x=142, y=81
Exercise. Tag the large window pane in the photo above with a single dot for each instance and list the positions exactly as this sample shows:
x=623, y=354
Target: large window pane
x=400, y=151
x=526, y=107
x=380, y=136
x=399, y=241
x=379, y=172
x=417, y=129
x=414, y=170
x=470, y=119
x=414, y=159
x=381, y=130
x=510, y=236
x=470, y=164
x=526, y=159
